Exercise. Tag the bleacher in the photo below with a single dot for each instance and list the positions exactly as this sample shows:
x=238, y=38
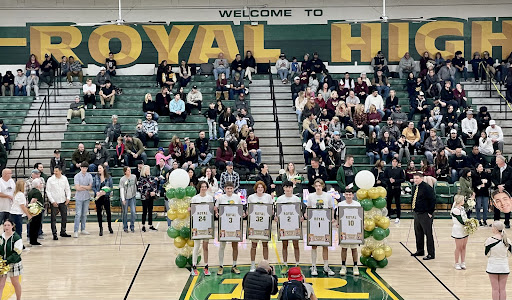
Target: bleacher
x=14, y=110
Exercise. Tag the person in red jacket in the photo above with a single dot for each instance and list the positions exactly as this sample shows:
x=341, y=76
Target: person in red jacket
x=223, y=155
x=243, y=157
x=253, y=144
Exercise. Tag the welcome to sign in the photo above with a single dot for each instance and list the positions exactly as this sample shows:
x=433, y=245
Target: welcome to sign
x=201, y=42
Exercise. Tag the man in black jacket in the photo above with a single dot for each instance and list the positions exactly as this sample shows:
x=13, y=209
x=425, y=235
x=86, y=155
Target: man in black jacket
x=260, y=284
x=394, y=177
x=315, y=171
x=264, y=176
x=501, y=177
x=203, y=147
x=296, y=88
x=57, y=161
x=423, y=205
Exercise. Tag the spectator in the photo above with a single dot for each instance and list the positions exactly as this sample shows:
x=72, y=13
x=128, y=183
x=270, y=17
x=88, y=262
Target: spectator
x=220, y=65
x=211, y=119
x=387, y=146
x=449, y=121
x=317, y=66
x=111, y=64
x=361, y=89
x=425, y=62
x=403, y=148
x=460, y=96
x=101, y=78
x=177, y=112
x=177, y=150
x=372, y=148
x=162, y=102
x=488, y=66
x=137, y=171
x=82, y=185
x=253, y=144
x=107, y=94
x=102, y=198
x=185, y=73
x=424, y=127
x=454, y=142
x=134, y=150
x=419, y=105
x=432, y=84
x=191, y=156
x=208, y=176
x=237, y=66
x=75, y=69
x=447, y=73
x=34, y=174
x=119, y=157
x=127, y=193
x=283, y=66
x=194, y=100
x=229, y=175
x=4, y=135
x=64, y=67
x=296, y=88
x=265, y=177
x=237, y=86
x=481, y=184
x=475, y=63
x=76, y=109
x=379, y=63
x=410, y=171
x=458, y=162
x=469, y=128
x=381, y=84
x=483, y=118
x=436, y=117
x=99, y=156
x=374, y=118
x=376, y=100
x=466, y=185
x=8, y=82
x=315, y=147
x=59, y=195
x=169, y=78
x=433, y=144
x=412, y=137
x=33, y=83
x=346, y=175
x=244, y=158
x=260, y=284
x=378, y=171
x=149, y=107
x=406, y=66
x=7, y=187
x=485, y=145
x=48, y=68
x=249, y=65
x=203, y=147
x=460, y=65
x=314, y=172
x=476, y=158
x=223, y=155
x=113, y=131
x=20, y=84
x=147, y=186
x=222, y=87
x=360, y=121
x=35, y=195
x=399, y=118
x=391, y=102
x=441, y=165
x=150, y=131
x=495, y=134
x=57, y=161
x=390, y=127
x=32, y=65
x=325, y=91
x=89, y=91
x=346, y=84
x=337, y=146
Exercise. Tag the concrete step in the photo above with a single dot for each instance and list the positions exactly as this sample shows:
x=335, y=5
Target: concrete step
x=266, y=89
x=272, y=134
x=481, y=87
x=271, y=125
x=486, y=101
x=268, y=150
x=270, y=118
x=266, y=96
x=473, y=94
x=51, y=129
x=267, y=110
x=286, y=141
x=269, y=103
x=54, y=136
x=288, y=158
x=260, y=83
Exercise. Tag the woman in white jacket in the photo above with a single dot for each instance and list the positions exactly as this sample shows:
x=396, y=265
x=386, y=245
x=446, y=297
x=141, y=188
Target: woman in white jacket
x=300, y=102
x=485, y=145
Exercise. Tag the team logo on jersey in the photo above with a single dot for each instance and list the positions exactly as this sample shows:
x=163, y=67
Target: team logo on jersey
x=319, y=203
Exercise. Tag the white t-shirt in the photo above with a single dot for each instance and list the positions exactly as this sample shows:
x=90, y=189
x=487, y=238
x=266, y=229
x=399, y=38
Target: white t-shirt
x=19, y=199
x=351, y=214
x=200, y=199
x=225, y=199
x=265, y=199
x=323, y=200
x=6, y=187
x=285, y=199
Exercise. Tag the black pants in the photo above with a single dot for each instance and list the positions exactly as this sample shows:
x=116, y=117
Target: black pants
x=475, y=138
x=189, y=107
x=144, y=137
x=394, y=193
x=89, y=99
x=422, y=227
x=103, y=203
x=63, y=209
x=175, y=118
x=497, y=216
x=35, y=225
x=147, y=209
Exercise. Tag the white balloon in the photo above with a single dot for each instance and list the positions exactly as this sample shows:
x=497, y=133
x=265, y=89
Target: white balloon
x=365, y=179
x=179, y=178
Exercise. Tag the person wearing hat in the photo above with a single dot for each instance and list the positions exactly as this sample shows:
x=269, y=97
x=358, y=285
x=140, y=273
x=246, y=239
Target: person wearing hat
x=229, y=176
x=107, y=94
x=317, y=66
x=293, y=288
x=495, y=133
x=20, y=83
x=296, y=88
x=399, y=118
x=380, y=63
x=101, y=78
x=283, y=66
x=260, y=284
x=483, y=117
x=75, y=69
x=99, y=156
x=34, y=174
x=419, y=105
x=48, y=68
x=194, y=100
x=469, y=128
x=57, y=161
x=76, y=109
x=33, y=84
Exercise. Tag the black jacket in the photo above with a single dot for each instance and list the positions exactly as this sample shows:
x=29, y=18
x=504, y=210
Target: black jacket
x=425, y=200
x=505, y=178
x=202, y=145
x=396, y=173
x=296, y=88
x=322, y=174
x=61, y=164
x=249, y=62
x=259, y=285
x=267, y=179
x=477, y=180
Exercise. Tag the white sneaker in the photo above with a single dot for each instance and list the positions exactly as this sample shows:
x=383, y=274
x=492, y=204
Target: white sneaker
x=356, y=271
x=75, y=235
x=94, y=107
x=85, y=232
x=329, y=271
x=343, y=271
x=457, y=267
x=463, y=266
x=314, y=272
x=397, y=220
x=70, y=83
x=67, y=122
x=253, y=269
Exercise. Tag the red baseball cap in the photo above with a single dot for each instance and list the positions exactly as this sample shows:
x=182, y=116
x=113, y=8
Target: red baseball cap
x=295, y=273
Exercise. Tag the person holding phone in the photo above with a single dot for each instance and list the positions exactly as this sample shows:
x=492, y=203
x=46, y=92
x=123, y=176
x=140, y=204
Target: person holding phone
x=260, y=284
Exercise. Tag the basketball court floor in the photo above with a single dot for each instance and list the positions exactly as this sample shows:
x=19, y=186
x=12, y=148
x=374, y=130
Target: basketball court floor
x=107, y=267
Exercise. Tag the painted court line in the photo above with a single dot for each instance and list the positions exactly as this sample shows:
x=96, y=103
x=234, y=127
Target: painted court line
x=136, y=272
x=448, y=289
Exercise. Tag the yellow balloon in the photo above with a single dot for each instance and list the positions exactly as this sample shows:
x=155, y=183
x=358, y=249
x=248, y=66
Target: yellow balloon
x=361, y=194
x=366, y=251
x=387, y=250
x=382, y=191
x=179, y=242
x=379, y=254
x=373, y=193
x=190, y=243
x=369, y=224
x=383, y=222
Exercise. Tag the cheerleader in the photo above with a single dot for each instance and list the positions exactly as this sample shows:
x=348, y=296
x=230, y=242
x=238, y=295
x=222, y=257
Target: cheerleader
x=458, y=233
x=498, y=248
x=11, y=246
x=320, y=199
x=203, y=197
x=259, y=197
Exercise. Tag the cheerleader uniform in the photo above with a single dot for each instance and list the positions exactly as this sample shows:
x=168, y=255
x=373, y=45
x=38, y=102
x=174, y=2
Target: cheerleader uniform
x=10, y=250
x=458, y=218
x=498, y=254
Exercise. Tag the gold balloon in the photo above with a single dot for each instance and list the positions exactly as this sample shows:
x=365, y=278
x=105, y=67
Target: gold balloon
x=361, y=194
x=179, y=242
x=378, y=254
x=190, y=243
x=366, y=251
x=369, y=224
x=383, y=222
x=387, y=250
x=373, y=193
x=382, y=191
x=182, y=214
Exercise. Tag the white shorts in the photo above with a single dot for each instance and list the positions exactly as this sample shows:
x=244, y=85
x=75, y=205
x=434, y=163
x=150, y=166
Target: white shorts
x=349, y=246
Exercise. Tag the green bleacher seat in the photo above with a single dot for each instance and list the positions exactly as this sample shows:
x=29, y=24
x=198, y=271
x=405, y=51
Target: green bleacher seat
x=444, y=193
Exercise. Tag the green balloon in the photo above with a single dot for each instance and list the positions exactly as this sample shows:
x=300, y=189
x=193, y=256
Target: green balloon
x=363, y=260
x=181, y=261
x=382, y=263
x=367, y=204
x=379, y=234
x=170, y=193
x=367, y=234
x=179, y=193
x=190, y=191
x=387, y=231
x=185, y=232
x=189, y=261
x=371, y=262
x=380, y=203
x=198, y=260
x=173, y=233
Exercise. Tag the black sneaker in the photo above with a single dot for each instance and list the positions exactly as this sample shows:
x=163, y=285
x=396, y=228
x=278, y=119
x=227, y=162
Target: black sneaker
x=65, y=235
x=144, y=228
x=36, y=244
x=153, y=228
x=55, y=238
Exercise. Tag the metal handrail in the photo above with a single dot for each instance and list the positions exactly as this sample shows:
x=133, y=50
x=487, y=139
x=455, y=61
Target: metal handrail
x=279, y=145
x=46, y=111
x=33, y=129
x=22, y=157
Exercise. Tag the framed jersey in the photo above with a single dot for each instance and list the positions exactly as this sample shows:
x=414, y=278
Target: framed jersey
x=230, y=222
x=350, y=221
x=201, y=221
x=259, y=221
x=289, y=226
x=319, y=226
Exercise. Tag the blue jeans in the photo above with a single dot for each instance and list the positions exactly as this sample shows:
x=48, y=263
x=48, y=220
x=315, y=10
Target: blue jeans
x=373, y=157
x=299, y=114
x=129, y=203
x=464, y=73
x=81, y=210
x=233, y=92
x=129, y=160
x=222, y=132
x=372, y=128
x=256, y=156
x=167, y=206
x=4, y=216
x=242, y=73
x=220, y=70
x=482, y=202
x=435, y=121
x=18, y=222
x=383, y=91
x=385, y=156
x=20, y=91
x=204, y=161
x=455, y=175
x=283, y=74
x=381, y=112
x=430, y=157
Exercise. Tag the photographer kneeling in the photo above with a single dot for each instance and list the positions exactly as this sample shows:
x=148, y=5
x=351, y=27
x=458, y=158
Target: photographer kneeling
x=260, y=284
